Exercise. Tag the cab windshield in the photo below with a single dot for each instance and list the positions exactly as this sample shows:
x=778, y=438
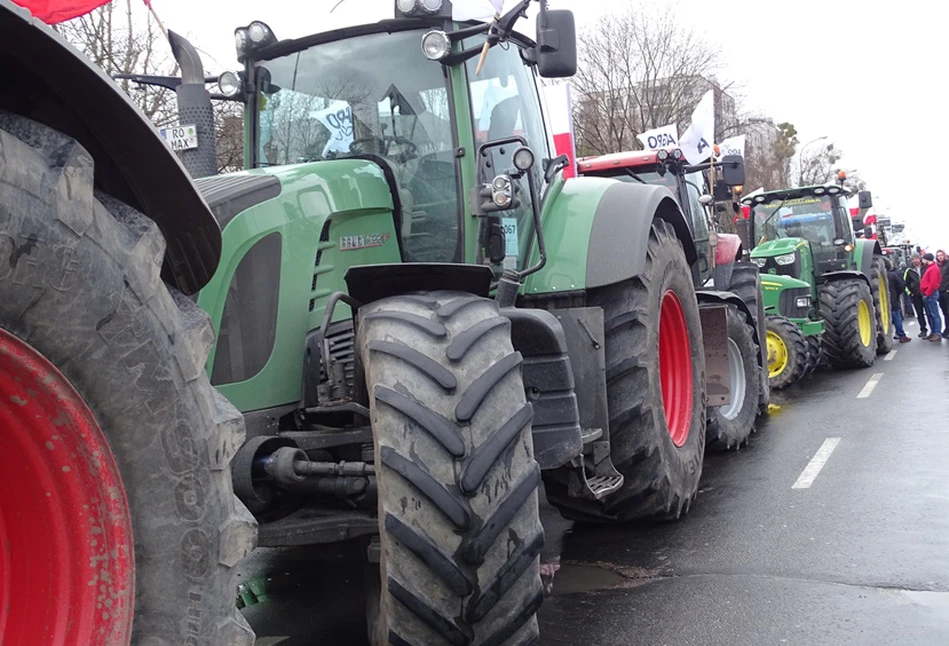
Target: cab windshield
x=811, y=218
x=327, y=102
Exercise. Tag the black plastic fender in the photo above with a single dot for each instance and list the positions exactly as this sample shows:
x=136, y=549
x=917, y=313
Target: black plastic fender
x=620, y=232
x=47, y=80
x=846, y=274
x=368, y=283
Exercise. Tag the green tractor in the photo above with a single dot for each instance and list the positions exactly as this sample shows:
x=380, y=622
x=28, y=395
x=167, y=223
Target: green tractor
x=418, y=318
x=807, y=233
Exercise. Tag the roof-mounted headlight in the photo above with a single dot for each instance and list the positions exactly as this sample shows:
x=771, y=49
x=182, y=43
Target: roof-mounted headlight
x=406, y=7
x=662, y=154
x=430, y=6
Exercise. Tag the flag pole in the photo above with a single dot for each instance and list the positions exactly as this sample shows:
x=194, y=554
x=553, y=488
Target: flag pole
x=151, y=9
x=487, y=46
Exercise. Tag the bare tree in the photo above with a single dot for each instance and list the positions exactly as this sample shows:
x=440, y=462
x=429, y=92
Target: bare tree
x=768, y=152
x=123, y=41
x=639, y=71
x=819, y=166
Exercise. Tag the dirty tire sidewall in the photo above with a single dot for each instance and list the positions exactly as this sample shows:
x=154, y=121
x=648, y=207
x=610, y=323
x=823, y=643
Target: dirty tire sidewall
x=660, y=479
x=80, y=282
x=746, y=284
x=458, y=505
x=724, y=433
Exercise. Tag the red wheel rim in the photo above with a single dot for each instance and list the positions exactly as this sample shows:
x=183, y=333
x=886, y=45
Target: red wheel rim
x=66, y=555
x=675, y=368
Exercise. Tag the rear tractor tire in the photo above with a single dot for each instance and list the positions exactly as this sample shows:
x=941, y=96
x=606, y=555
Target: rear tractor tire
x=746, y=284
x=458, y=508
x=655, y=375
x=729, y=426
x=879, y=284
x=787, y=352
x=119, y=447
x=850, y=339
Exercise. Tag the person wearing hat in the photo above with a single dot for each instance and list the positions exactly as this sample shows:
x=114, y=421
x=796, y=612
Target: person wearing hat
x=929, y=286
x=912, y=277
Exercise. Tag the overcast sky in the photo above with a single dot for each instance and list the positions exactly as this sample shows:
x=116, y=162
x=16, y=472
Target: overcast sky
x=871, y=79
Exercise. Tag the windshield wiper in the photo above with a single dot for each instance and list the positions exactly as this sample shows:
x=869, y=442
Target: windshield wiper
x=764, y=238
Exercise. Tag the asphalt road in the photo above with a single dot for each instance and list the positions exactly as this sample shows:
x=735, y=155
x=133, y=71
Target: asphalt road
x=831, y=527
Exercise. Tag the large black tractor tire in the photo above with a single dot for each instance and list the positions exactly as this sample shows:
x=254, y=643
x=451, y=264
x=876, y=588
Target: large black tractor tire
x=746, y=283
x=787, y=352
x=729, y=426
x=814, y=353
x=879, y=285
x=661, y=476
x=845, y=346
x=80, y=286
x=458, y=507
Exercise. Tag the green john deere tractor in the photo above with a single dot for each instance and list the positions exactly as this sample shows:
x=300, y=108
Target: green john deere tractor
x=419, y=318
x=807, y=233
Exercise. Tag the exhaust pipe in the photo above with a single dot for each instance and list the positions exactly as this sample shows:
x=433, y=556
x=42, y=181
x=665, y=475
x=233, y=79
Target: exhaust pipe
x=194, y=107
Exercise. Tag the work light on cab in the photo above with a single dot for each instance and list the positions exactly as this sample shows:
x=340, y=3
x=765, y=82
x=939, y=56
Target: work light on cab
x=229, y=84
x=436, y=45
x=523, y=159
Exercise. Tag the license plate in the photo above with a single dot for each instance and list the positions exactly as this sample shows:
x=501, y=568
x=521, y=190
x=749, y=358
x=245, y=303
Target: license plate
x=180, y=137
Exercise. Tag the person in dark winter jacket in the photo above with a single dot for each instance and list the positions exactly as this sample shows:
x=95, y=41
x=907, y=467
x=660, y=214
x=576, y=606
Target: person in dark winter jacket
x=897, y=286
x=943, y=263
x=912, y=276
x=929, y=286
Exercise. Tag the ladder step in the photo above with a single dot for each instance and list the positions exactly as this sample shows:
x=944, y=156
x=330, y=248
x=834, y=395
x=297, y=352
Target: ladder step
x=591, y=435
x=602, y=486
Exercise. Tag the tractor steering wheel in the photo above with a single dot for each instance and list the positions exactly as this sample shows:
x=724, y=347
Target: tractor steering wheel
x=383, y=145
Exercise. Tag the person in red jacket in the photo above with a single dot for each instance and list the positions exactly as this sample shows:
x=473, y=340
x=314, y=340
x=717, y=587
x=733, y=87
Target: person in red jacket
x=929, y=286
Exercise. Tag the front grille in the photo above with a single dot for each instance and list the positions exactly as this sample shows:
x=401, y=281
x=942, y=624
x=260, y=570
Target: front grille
x=340, y=336
x=787, y=303
x=324, y=238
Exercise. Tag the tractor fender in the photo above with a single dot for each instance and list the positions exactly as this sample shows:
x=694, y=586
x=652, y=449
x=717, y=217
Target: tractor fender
x=596, y=230
x=620, y=233
x=47, y=80
x=368, y=283
x=712, y=297
x=845, y=274
x=864, y=251
x=728, y=249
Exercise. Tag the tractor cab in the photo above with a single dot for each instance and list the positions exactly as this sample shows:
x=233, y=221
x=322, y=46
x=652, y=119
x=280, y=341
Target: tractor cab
x=802, y=232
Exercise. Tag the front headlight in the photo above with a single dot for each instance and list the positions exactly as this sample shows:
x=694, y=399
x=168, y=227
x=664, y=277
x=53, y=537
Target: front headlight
x=803, y=301
x=761, y=262
x=786, y=259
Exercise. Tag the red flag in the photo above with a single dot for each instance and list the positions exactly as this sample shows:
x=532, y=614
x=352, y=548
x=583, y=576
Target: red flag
x=54, y=11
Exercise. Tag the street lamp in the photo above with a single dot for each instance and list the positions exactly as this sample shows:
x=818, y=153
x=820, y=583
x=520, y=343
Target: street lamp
x=800, y=163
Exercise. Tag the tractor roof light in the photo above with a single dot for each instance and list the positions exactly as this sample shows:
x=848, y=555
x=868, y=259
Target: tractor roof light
x=662, y=154
x=406, y=6
x=241, y=40
x=430, y=6
x=254, y=36
x=677, y=154
x=819, y=191
x=833, y=190
x=436, y=45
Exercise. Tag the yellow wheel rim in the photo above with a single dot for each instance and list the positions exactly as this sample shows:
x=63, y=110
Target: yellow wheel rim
x=884, y=306
x=777, y=354
x=865, y=324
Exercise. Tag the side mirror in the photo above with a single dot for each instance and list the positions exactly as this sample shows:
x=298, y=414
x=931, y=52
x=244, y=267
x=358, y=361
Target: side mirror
x=866, y=200
x=556, y=44
x=857, y=222
x=867, y=232
x=733, y=170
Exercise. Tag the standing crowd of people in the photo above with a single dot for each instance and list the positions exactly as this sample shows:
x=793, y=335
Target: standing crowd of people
x=926, y=280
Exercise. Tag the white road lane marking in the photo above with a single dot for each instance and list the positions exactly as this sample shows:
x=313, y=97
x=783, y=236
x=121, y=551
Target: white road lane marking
x=889, y=355
x=874, y=380
x=808, y=475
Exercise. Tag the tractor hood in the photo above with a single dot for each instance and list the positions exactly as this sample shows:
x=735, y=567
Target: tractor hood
x=779, y=283
x=777, y=247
